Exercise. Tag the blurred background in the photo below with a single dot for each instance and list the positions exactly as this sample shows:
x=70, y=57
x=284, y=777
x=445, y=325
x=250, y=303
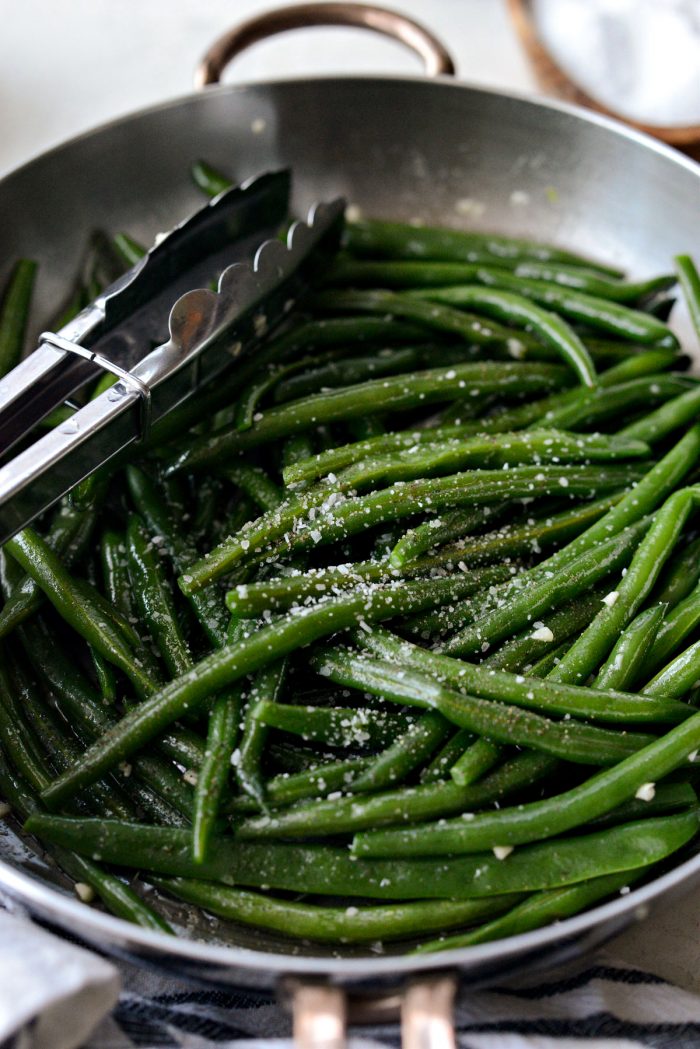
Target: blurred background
x=70, y=65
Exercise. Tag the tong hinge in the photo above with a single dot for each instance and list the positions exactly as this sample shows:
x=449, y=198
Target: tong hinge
x=129, y=380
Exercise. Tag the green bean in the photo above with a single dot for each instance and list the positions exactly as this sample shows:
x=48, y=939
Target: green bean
x=630, y=650
x=513, y=308
x=668, y=797
x=678, y=677
x=326, y=870
x=434, y=317
x=105, y=797
x=337, y=458
x=594, y=283
x=14, y=313
x=507, y=541
x=681, y=576
x=211, y=493
x=331, y=924
x=18, y=739
x=226, y=665
x=119, y=898
x=544, y=819
x=333, y=516
x=296, y=449
x=89, y=717
x=212, y=776
x=402, y=274
x=654, y=487
x=499, y=685
x=104, y=673
x=437, y=530
x=594, y=644
x=500, y=722
x=393, y=393
x=543, y=666
x=549, y=906
x=445, y=758
x=679, y=623
x=115, y=572
x=351, y=370
x=333, y=726
x=595, y=312
x=14, y=790
x=488, y=452
x=207, y=604
x=101, y=625
x=37, y=558
x=266, y=687
x=522, y=652
x=208, y=179
x=540, y=591
x=477, y=759
x=154, y=598
x=129, y=249
x=396, y=240
x=604, y=402
x=246, y=406
x=408, y=752
x=317, y=781
x=251, y=599
x=338, y=333
x=68, y=535
x=676, y=413
x=689, y=280
x=256, y=484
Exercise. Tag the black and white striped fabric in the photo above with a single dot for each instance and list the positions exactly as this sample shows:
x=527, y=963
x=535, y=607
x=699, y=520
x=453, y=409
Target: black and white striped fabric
x=600, y=1004
x=643, y=991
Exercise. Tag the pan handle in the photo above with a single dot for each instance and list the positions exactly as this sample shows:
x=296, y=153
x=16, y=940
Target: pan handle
x=435, y=56
x=321, y=1012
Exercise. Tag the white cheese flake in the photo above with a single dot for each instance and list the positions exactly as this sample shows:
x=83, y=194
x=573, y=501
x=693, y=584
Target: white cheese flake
x=646, y=792
x=84, y=891
x=542, y=633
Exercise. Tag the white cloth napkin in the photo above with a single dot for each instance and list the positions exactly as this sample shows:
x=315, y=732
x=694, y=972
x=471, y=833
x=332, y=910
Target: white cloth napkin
x=644, y=990
x=52, y=993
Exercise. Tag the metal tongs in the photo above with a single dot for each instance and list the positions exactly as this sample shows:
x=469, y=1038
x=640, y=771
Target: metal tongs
x=196, y=339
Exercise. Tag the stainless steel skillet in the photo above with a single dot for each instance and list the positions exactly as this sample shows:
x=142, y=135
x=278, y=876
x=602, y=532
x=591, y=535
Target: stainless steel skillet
x=399, y=147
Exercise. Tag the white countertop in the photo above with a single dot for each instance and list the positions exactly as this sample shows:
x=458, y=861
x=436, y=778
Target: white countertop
x=70, y=65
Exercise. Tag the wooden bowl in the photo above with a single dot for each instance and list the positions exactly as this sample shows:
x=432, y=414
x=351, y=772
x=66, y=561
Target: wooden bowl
x=555, y=81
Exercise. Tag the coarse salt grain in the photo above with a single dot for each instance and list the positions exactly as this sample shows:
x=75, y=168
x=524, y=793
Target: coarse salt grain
x=611, y=598
x=502, y=851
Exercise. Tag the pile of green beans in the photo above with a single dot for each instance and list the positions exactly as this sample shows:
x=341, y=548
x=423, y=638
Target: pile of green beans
x=406, y=613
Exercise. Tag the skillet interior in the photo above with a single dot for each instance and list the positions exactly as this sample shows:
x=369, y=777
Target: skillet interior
x=400, y=148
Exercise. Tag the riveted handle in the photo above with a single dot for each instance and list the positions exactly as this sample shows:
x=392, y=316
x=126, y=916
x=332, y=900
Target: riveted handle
x=424, y=1007
x=435, y=56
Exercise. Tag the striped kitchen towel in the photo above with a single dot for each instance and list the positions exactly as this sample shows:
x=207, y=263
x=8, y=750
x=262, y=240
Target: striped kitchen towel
x=643, y=991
